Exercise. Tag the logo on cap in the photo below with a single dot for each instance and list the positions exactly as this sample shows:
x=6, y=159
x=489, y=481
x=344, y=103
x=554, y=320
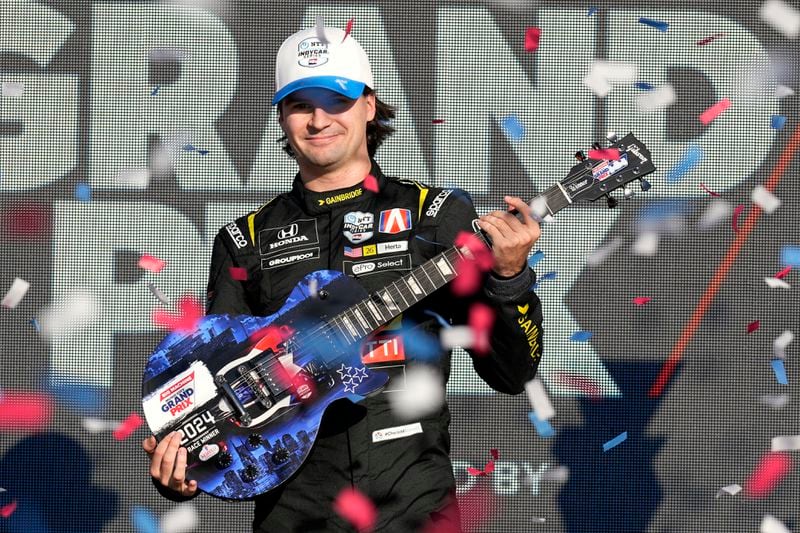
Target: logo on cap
x=312, y=52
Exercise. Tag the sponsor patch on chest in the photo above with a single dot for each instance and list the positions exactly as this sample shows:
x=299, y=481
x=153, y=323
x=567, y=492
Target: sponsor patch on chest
x=300, y=233
x=358, y=226
x=397, y=432
x=289, y=258
x=379, y=264
x=395, y=220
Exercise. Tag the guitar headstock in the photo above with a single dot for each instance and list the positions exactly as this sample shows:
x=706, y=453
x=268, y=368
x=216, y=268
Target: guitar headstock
x=595, y=178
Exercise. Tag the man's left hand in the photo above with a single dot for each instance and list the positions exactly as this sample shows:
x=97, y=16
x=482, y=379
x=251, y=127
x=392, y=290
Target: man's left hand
x=512, y=238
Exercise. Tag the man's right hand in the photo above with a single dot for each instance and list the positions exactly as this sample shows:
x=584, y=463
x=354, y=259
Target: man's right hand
x=168, y=463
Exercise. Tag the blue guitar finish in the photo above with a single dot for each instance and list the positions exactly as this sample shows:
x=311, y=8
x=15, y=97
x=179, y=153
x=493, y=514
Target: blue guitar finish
x=249, y=392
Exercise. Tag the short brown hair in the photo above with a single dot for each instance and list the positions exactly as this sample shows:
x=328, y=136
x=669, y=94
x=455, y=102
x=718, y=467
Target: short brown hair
x=378, y=129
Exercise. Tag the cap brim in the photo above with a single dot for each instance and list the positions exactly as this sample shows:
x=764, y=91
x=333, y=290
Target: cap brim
x=347, y=87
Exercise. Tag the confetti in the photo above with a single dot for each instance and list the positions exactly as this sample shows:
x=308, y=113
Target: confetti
x=98, y=425
x=532, y=36
x=144, y=521
x=608, y=154
x=692, y=156
x=468, y=278
x=320, y=27
x=83, y=192
x=488, y=468
x=539, y=209
x=151, y=263
x=597, y=84
x=709, y=191
x=782, y=91
x=133, y=177
x=537, y=256
x=616, y=71
x=770, y=524
x=592, y=11
x=13, y=89
x=480, y=321
x=158, y=294
x=472, y=245
x=155, y=90
x=559, y=474
x=641, y=300
x=780, y=371
x=765, y=199
x=782, y=17
x=7, y=510
x=737, y=211
x=189, y=314
x=348, y=28
x=89, y=399
x=782, y=273
x=580, y=383
x=127, y=427
x=17, y=291
x=456, y=336
x=439, y=318
x=643, y=85
x=706, y=40
x=782, y=342
x=181, y=519
x=657, y=24
x=25, y=411
x=646, y=244
x=790, y=255
x=717, y=211
x=581, y=336
x=74, y=312
x=601, y=253
x=656, y=99
x=543, y=427
x=240, y=274
x=616, y=441
x=423, y=394
x=777, y=283
x=731, y=490
x=776, y=401
x=437, y=121
x=371, y=184
x=752, y=326
x=785, y=443
x=356, y=508
x=540, y=401
x=513, y=128
x=772, y=467
x=707, y=116
x=777, y=122
x=547, y=276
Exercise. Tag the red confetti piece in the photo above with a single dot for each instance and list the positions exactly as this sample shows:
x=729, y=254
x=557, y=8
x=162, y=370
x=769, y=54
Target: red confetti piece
x=488, y=469
x=706, y=40
x=468, y=278
x=782, y=274
x=348, y=28
x=128, y=426
x=27, y=222
x=437, y=121
x=371, y=184
x=495, y=453
x=532, y=36
x=151, y=263
x=709, y=191
x=752, y=326
x=707, y=116
x=773, y=467
x=581, y=383
x=481, y=253
x=8, y=510
x=481, y=320
x=356, y=508
x=610, y=154
x=735, y=221
x=641, y=300
x=238, y=273
x=25, y=411
x=189, y=314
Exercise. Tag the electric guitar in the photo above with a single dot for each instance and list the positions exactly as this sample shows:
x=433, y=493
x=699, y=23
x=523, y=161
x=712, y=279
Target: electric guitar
x=248, y=392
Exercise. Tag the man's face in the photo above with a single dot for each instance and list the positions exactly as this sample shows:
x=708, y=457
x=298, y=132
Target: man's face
x=326, y=129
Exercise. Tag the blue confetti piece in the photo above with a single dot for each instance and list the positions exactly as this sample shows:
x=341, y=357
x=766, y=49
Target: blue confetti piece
x=83, y=192
x=439, y=318
x=155, y=91
x=780, y=371
x=537, y=256
x=86, y=399
x=423, y=239
x=513, y=127
x=643, y=85
x=543, y=427
x=660, y=25
x=778, y=122
x=144, y=521
x=689, y=160
x=35, y=323
x=790, y=255
x=423, y=346
x=188, y=148
x=619, y=439
x=581, y=336
x=544, y=277
x=202, y=152
x=592, y=11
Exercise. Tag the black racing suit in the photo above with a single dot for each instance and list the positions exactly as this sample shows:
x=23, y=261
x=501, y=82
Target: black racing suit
x=375, y=237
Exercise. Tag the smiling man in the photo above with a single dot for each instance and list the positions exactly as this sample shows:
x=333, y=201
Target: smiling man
x=344, y=214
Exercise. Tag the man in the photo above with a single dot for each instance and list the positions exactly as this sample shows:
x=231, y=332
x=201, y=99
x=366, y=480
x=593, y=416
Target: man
x=333, y=219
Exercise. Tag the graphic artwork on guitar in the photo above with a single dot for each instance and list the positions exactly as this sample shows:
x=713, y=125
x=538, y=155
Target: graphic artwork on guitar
x=249, y=392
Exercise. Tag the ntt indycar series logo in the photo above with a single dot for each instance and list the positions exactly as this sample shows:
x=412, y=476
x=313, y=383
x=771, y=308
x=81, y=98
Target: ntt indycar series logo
x=178, y=396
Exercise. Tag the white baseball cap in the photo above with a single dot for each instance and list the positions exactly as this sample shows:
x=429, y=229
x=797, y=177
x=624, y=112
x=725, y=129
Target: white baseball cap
x=304, y=61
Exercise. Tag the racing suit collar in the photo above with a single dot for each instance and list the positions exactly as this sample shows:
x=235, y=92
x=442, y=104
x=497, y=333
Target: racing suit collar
x=321, y=202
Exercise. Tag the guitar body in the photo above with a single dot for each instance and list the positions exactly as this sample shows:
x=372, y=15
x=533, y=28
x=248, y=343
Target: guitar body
x=249, y=392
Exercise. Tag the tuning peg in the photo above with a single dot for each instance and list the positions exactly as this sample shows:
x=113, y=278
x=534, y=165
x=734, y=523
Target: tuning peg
x=628, y=192
x=580, y=156
x=644, y=184
x=612, y=202
x=612, y=137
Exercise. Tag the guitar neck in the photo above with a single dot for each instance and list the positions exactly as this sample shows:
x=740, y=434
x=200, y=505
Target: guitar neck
x=383, y=305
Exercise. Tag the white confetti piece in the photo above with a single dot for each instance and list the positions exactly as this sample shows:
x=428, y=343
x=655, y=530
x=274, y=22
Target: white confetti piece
x=717, y=211
x=539, y=399
x=313, y=287
x=597, y=84
x=782, y=17
x=765, y=199
x=158, y=294
x=181, y=519
x=168, y=53
x=133, y=177
x=559, y=474
x=786, y=443
x=98, y=425
x=731, y=490
x=776, y=401
x=661, y=97
x=321, y=30
x=601, y=253
x=777, y=283
x=616, y=71
x=646, y=244
x=13, y=89
x=770, y=524
x=539, y=209
x=782, y=342
x=423, y=394
x=782, y=91
x=72, y=313
x=19, y=288
x=457, y=336
x=539, y=520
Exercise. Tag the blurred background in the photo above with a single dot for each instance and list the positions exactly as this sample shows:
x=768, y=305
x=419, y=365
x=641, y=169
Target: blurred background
x=137, y=127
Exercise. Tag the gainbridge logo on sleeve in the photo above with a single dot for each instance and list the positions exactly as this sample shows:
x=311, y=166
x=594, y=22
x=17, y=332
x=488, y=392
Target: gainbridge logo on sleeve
x=531, y=331
x=341, y=197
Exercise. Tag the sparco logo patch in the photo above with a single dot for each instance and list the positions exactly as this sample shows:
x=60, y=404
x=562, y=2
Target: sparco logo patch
x=437, y=202
x=289, y=258
x=236, y=235
x=357, y=226
x=300, y=233
x=341, y=197
x=365, y=268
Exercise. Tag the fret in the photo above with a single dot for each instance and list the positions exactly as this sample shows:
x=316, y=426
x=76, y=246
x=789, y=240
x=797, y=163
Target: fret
x=400, y=293
x=408, y=288
x=387, y=299
x=349, y=325
x=362, y=319
x=444, y=266
x=412, y=282
x=374, y=310
x=433, y=285
x=342, y=330
x=436, y=270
